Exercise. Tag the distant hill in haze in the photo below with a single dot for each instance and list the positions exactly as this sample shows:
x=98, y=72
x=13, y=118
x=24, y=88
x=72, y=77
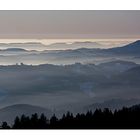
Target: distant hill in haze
x=28, y=45
x=67, y=53
x=14, y=50
x=74, y=45
x=117, y=66
x=113, y=104
x=10, y=112
x=52, y=85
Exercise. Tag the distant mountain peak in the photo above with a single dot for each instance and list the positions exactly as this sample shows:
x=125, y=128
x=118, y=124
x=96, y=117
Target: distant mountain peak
x=137, y=41
x=131, y=48
x=134, y=44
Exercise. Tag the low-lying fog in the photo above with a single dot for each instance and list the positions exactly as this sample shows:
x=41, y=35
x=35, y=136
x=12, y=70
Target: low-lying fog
x=75, y=80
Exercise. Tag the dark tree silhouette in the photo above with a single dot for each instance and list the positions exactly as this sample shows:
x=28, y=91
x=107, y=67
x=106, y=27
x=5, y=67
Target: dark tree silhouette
x=54, y=122
x=43, y=122
x=16, y=123
x=34, y=121
x=125, y=118
x=5, y=125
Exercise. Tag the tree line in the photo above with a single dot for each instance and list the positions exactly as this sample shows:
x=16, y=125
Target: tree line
x=125, y=118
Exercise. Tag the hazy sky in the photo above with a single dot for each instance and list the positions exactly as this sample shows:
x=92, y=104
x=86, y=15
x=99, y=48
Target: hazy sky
x=69, y=24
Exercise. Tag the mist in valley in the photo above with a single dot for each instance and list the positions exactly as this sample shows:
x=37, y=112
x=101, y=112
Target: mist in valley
x=75, y=80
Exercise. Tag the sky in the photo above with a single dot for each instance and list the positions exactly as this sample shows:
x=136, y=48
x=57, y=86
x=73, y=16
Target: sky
x=69, y=24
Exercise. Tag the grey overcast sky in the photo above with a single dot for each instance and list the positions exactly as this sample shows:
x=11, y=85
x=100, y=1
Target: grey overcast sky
x=69, y=24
